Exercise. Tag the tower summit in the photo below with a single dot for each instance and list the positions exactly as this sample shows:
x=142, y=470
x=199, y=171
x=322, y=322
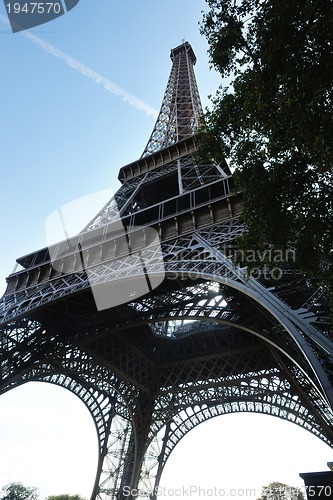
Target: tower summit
x=181, y=107
x=169, y=353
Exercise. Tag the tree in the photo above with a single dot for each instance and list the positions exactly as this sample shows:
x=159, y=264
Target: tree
x=17, y=491
x=274, y=121
x=65, y=497
x=280, y=491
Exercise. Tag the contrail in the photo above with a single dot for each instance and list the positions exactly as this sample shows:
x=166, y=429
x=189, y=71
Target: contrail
x=89, y=73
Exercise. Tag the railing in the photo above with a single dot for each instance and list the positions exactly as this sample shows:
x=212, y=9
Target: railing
x=155, y=214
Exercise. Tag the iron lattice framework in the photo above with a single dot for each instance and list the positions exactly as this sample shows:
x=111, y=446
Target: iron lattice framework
x=202, y=339
x=181, y=107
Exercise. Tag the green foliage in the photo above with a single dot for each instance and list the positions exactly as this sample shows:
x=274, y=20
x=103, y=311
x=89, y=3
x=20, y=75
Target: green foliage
x=280, y=491
x=274, y=121
x=65, y=497
x=17, y=491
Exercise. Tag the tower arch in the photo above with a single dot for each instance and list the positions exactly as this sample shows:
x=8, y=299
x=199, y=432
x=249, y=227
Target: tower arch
x=180, y=331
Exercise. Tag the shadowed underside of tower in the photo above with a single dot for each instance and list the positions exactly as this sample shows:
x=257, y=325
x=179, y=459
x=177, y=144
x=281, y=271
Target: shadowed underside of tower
x=144, y=316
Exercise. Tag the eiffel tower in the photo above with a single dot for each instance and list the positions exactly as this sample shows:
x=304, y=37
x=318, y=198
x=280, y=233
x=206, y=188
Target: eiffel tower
x=145, y=317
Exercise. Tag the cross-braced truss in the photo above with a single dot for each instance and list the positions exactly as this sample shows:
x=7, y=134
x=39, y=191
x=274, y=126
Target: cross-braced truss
x=181, y=107
x=202, y=338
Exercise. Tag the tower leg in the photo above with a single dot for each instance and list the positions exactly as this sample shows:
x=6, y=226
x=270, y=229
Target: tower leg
x=120, y=473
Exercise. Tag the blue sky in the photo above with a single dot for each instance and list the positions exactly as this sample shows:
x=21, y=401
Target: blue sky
x=64, y=136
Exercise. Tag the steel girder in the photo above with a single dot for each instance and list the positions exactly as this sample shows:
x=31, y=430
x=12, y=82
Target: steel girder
x=43, y=282
x=181, y=106
x=209, y=340
x=28, y=354
x=245, y=388
x=204, y=297
x=192, y=173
